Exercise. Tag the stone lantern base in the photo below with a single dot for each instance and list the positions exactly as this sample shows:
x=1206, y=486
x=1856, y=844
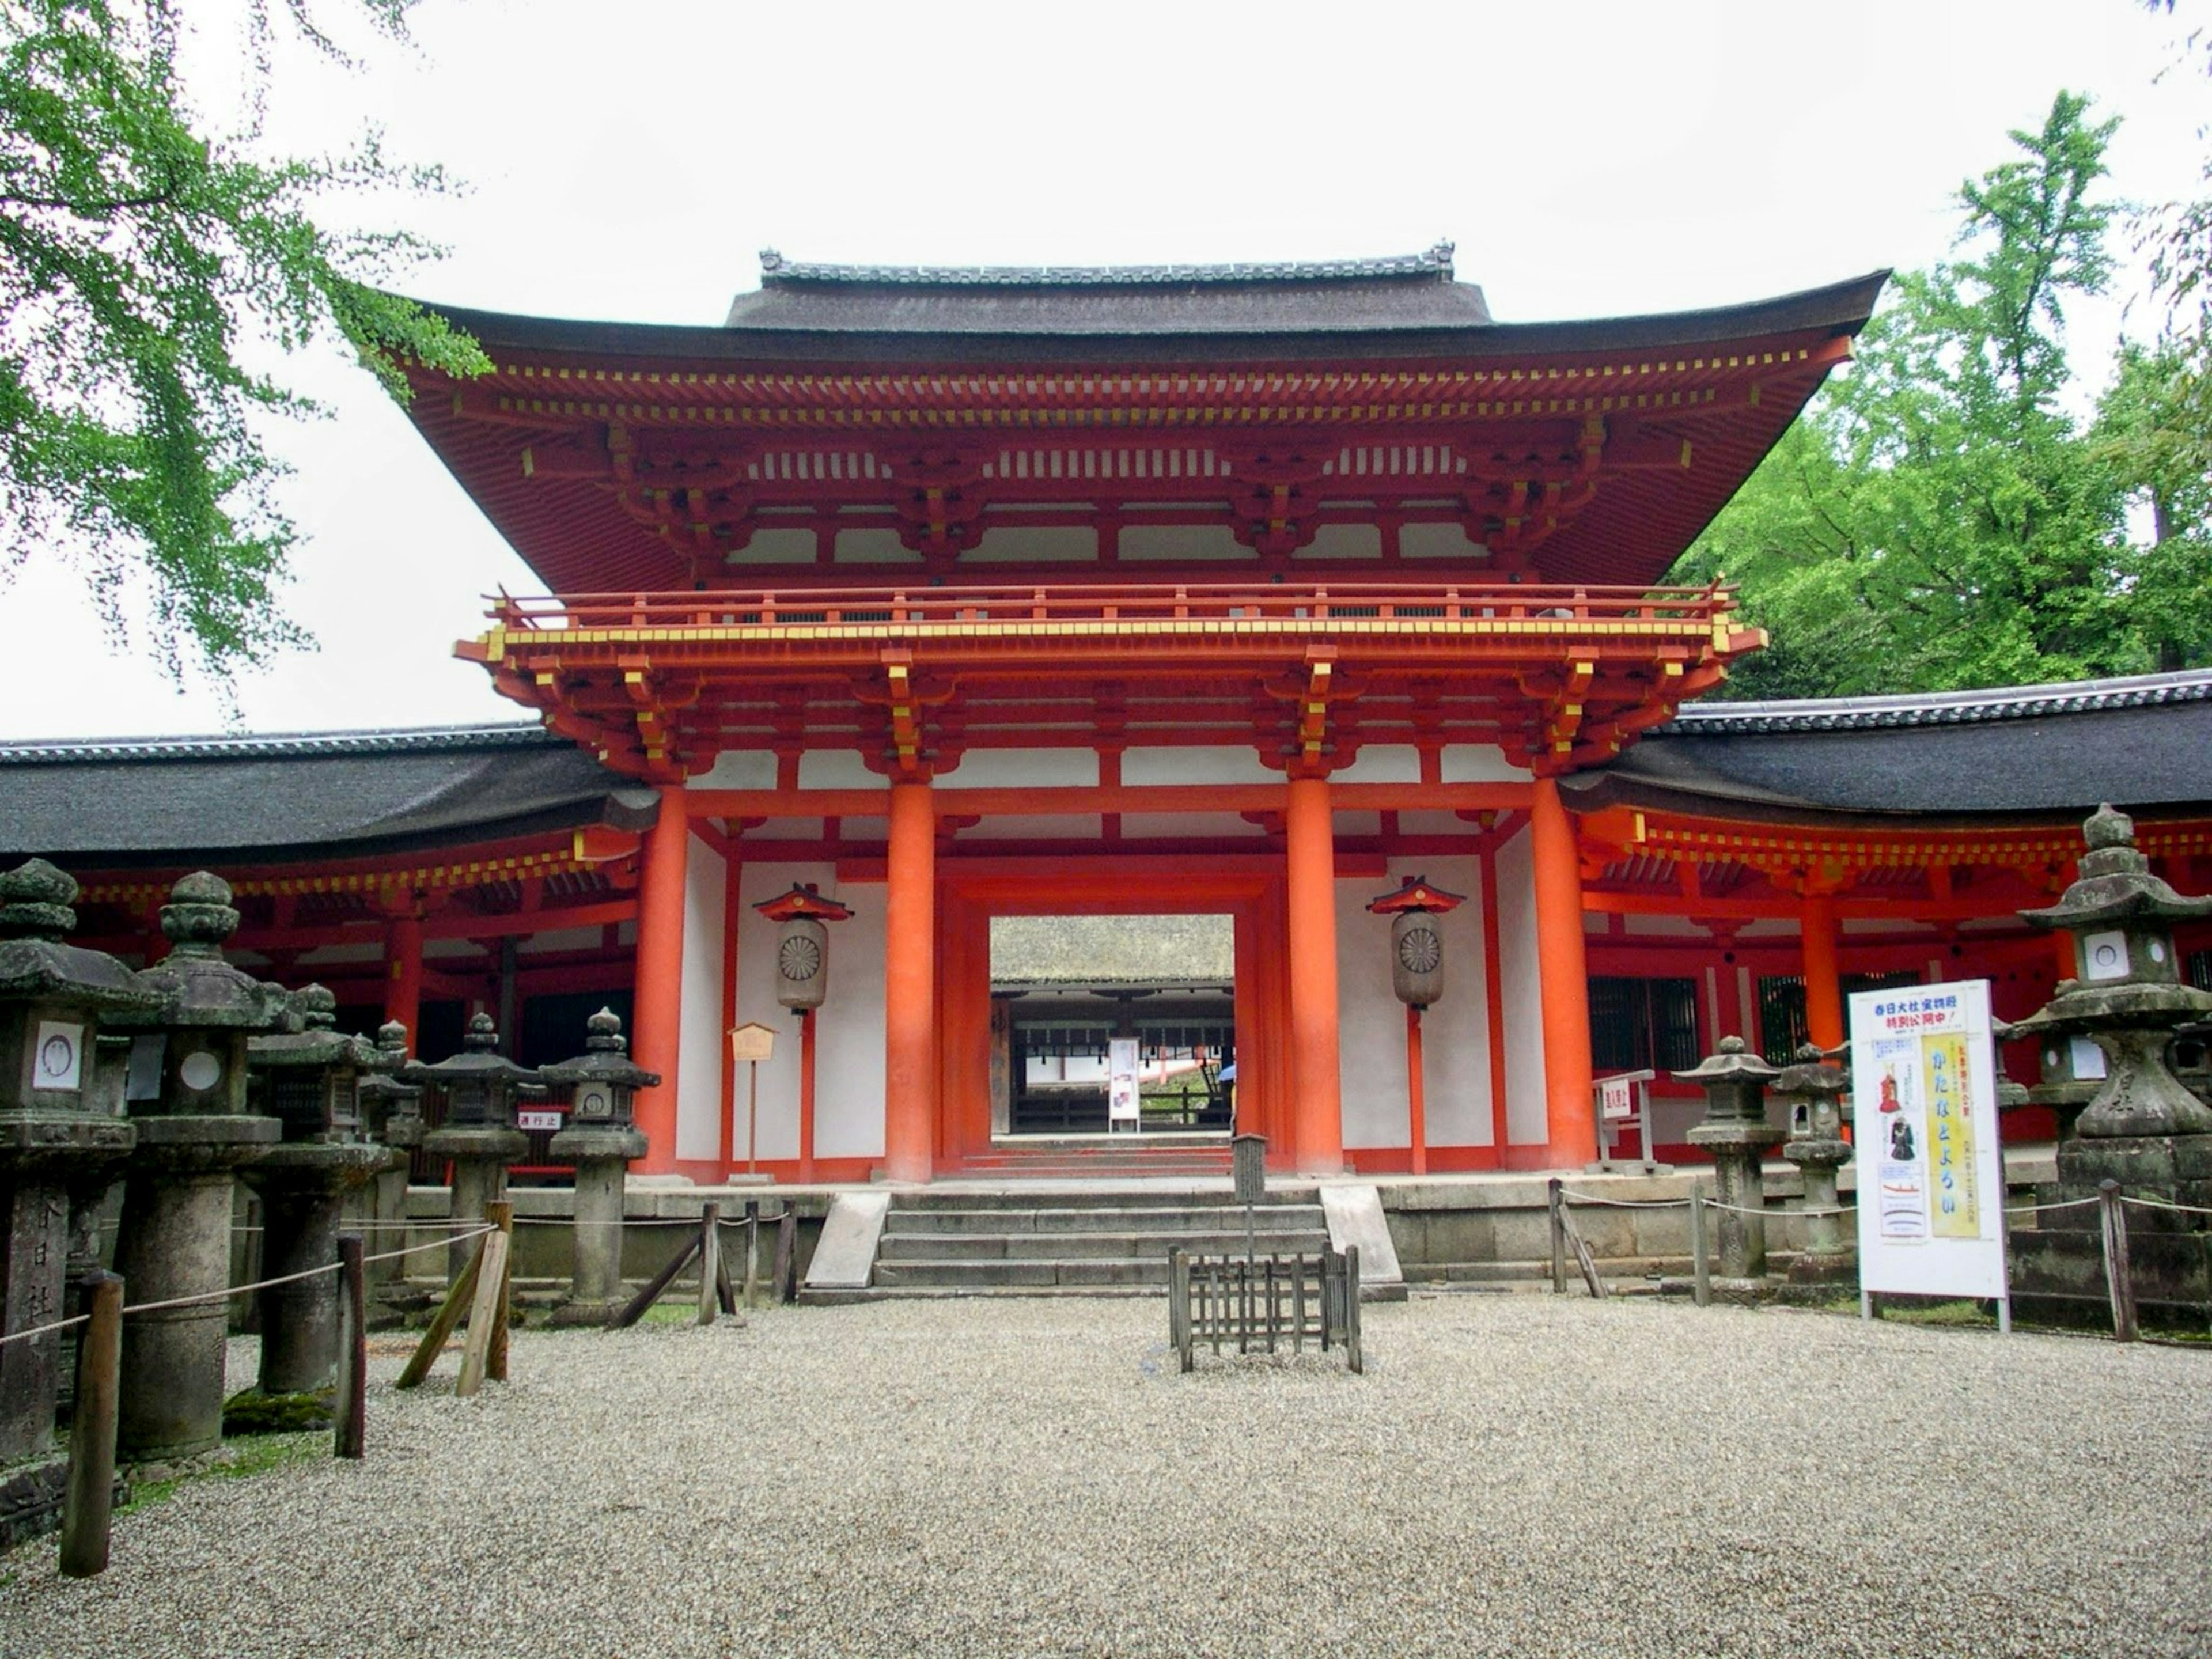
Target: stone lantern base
x=602, y=1159
x=2058, y=1265
x=480, y=1158
x=1738, y=1150
x=1831, y=1253
x=303, y=1186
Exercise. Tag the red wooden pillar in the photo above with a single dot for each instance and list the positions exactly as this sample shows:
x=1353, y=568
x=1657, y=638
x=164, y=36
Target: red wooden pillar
x=1824, y=986
x=910, y=986
x=403, y=975
x=732, y=914
x=1318, y=1136
x=1417, y=1114
x=658, y=1024
x=1493, y=1001
x=1563, y=980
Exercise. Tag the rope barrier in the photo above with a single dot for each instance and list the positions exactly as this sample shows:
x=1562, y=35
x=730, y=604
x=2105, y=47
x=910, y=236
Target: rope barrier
x=1783, y=1214
x=434, y=1244
x=2160, y=1204
x=42, y=1330
x=1626, y=1203
x=2035, y=1209
x=627, y=1221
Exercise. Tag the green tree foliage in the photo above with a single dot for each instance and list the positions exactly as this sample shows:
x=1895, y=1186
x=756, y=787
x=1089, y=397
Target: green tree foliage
x=1939, y=519
x=137, y=255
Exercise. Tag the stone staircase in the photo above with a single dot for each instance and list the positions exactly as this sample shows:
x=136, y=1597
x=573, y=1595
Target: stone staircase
x=1074, y=1241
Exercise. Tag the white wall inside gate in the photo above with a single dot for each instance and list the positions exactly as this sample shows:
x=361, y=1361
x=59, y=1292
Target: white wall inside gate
x=1525, y=1121
x=1371, y=1021
x=848, y=1031
x=699, y=1027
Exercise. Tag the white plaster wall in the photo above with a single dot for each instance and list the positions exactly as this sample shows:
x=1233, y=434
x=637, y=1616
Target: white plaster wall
x=1179, y=826
x=1371, y=1021
x=1480, y=762
x=1227, y=763
x=836, y=768
x=1526, y=1120
x=699, y=1016
x=1381, y=762
x=1023, y=768
x=738, y=768
x=848, y=1033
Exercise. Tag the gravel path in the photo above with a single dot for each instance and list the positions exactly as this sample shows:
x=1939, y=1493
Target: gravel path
x=1514, y=1474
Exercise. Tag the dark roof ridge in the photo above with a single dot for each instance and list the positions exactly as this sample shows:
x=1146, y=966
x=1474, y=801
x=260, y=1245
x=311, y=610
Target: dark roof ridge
x=1941, y=708
x=1435, y=263
x=277, y=746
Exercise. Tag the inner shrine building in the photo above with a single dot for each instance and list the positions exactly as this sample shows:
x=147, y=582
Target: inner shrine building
x=907, y=600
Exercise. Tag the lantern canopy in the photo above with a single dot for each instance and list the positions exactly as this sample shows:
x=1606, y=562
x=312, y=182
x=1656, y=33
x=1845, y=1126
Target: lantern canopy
x=802, y=949
x=1417, y=949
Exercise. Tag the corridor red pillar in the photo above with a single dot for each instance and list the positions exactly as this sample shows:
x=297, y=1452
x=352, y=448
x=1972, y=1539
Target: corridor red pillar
x=403, y=975
x=1823, y=987
x=1562, y=981
x=658, y=1021
x=1318, y=1114
x=910, y=986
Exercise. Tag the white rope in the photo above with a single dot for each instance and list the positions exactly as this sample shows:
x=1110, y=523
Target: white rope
x=241, y=1289
x=1624, y=1203
x=2038, y=1209
x=2159, y=1204
x=627, y=1221
x=42, y=1330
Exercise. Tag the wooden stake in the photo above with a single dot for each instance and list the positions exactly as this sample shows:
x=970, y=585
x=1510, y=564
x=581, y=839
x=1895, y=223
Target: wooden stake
x=710, y=1260
x=89, y=1498
x=1559, y=1239
x=1701, y=1265
x=635, y=1309
x=484, y=1316
x=351, y=1427
x=786, y=1254
x=501, y=1213
x=2119, y=1282
x=442, y=1323
x=752, y=1248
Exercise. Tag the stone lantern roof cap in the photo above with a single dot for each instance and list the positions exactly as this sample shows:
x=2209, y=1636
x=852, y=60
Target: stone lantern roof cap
x=479, y=1060
x=383, y=1082
x=319, y=1044
x=36, y=960
x=1732, y=1062
x=605, y=1059
x=2116, y=887
x=198, y=989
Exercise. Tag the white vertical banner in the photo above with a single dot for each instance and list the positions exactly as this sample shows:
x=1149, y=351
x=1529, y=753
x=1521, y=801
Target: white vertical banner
x=1924, y=1129
x=1124, y=1098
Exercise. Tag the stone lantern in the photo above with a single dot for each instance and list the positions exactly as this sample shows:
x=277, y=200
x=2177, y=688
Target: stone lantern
x=802, y=947
x=599, y=1140
x=478, y=1132
x=187, y=1098
x=391, y=1116
x=55, y=1139
x=1736, y=1127
x=2127, y=993
x=309, y=1080
x=1814, y=1088
x=2140, y=1127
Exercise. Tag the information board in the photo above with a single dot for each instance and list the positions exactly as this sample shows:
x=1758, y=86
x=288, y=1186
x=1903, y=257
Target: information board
x=1924, y=1129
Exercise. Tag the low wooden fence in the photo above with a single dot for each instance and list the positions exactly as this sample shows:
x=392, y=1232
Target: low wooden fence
x=1263, y=1303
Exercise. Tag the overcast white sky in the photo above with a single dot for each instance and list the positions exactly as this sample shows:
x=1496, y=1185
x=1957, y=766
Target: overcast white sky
x=629, y=160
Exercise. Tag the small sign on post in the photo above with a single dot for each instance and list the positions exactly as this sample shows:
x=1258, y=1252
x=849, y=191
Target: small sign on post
x=751, y=1044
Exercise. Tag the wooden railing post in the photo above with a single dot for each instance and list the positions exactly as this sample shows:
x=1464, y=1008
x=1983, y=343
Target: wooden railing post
x=351, y=1408
x=1701, y=1263
x=2119, y=1282
x=1559, y=1238
x=710, y=1260
x=89, y=1501
x=786, y=1254
x=484, y=1313
x=500, y=1214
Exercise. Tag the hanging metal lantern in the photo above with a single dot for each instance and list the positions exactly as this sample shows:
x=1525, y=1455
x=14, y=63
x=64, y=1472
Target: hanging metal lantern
x=1417, y=946
x=802, y=949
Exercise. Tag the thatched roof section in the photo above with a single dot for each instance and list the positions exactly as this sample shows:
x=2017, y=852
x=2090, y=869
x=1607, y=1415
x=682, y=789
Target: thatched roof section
x=1038, y=950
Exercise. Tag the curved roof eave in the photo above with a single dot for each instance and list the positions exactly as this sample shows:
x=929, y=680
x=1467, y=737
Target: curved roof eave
x=1839, y=308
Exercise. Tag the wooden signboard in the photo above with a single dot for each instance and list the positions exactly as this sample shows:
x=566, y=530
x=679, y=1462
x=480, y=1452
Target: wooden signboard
x=751, y=1041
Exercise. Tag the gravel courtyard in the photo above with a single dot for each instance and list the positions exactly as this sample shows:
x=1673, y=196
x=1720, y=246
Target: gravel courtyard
x=1514, y=1475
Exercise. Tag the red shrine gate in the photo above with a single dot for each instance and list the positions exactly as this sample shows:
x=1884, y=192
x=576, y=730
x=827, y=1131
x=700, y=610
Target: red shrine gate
x=1234, y=587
